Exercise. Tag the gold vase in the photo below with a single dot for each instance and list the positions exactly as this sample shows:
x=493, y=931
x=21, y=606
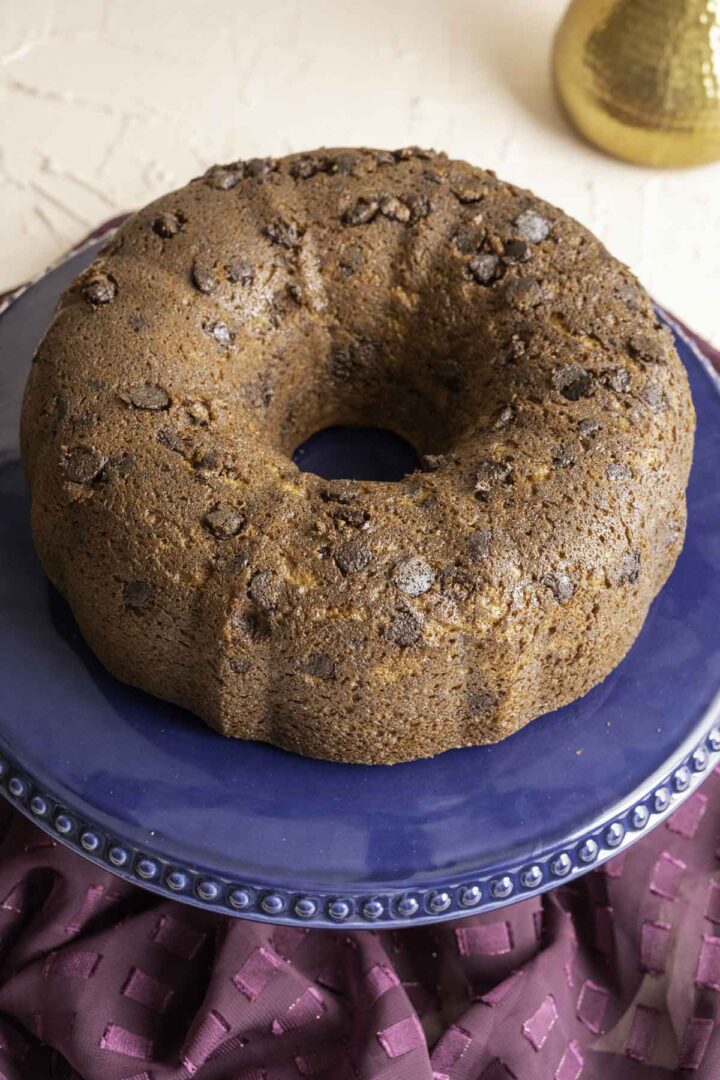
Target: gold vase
x=641, y=78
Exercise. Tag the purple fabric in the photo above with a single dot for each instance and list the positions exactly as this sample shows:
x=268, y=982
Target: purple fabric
x=615, y=977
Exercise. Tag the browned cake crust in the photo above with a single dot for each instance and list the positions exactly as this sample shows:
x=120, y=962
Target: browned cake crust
x=363, y=622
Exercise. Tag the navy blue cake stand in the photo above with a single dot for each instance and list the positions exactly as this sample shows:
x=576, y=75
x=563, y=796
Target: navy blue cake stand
x=145, y=790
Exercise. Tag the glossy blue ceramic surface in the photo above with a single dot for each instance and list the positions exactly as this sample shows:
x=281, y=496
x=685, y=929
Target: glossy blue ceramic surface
x=148, y=791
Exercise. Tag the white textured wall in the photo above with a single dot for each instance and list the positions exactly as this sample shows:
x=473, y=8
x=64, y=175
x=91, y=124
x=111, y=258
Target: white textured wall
x=104, y=105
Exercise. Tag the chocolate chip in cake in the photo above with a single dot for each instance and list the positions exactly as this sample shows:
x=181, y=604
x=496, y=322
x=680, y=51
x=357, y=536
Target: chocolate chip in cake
x=525, y=294
x=240, y=272
x=618, y=379
x=630, y=295
x=319, y=665
x=170, y=438
x=221, y=178
x=83, y=465
x=260, y=168
x=533, y=226
x=478, y=544
x=168, y=225
x=420, y=207
x=352, y=556
x=395, y=209
x=653, y=396
x=481, y=703
x=206, y=459
x=85, y=421
x=341, y=363
x=343, y=164
x=573, y=381
x=485, y=268
x=306, y=167
x=287, y=234
x=202, y=275
x=224, y=521
x=405, y=629
x=647, y=347
x=588, y=428
x=384, y=157
x=267, y=589
x=221, y=332
x=231, y=566
x=100, y=288
x=560, y=586
x=362, y=213
x=628, y=571
x=343, y=491
x=467, y=241
x=616, y=470
x=490, y=475
x=562, y=458
x=147, y=397
x=346, y=358
x=413, y=576
x=516, y=251
x=137, y=594
x=354, y=516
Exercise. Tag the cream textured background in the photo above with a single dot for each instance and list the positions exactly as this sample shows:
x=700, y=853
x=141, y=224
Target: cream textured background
x=106, y=103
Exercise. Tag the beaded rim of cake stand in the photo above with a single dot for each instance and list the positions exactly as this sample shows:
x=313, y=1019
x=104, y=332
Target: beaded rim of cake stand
x=350, y=908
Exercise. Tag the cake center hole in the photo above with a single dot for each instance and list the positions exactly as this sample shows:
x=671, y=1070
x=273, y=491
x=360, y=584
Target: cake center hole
x=357, y=453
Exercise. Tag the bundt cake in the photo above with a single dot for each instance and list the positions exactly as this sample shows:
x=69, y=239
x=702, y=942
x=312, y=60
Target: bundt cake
x=353, y=620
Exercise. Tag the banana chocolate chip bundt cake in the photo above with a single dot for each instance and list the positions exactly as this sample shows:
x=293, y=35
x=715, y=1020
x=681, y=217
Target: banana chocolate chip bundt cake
x=358, y=621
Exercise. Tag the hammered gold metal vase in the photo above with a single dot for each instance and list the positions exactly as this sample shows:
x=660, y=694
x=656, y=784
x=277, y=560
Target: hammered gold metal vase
x=641, y=78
